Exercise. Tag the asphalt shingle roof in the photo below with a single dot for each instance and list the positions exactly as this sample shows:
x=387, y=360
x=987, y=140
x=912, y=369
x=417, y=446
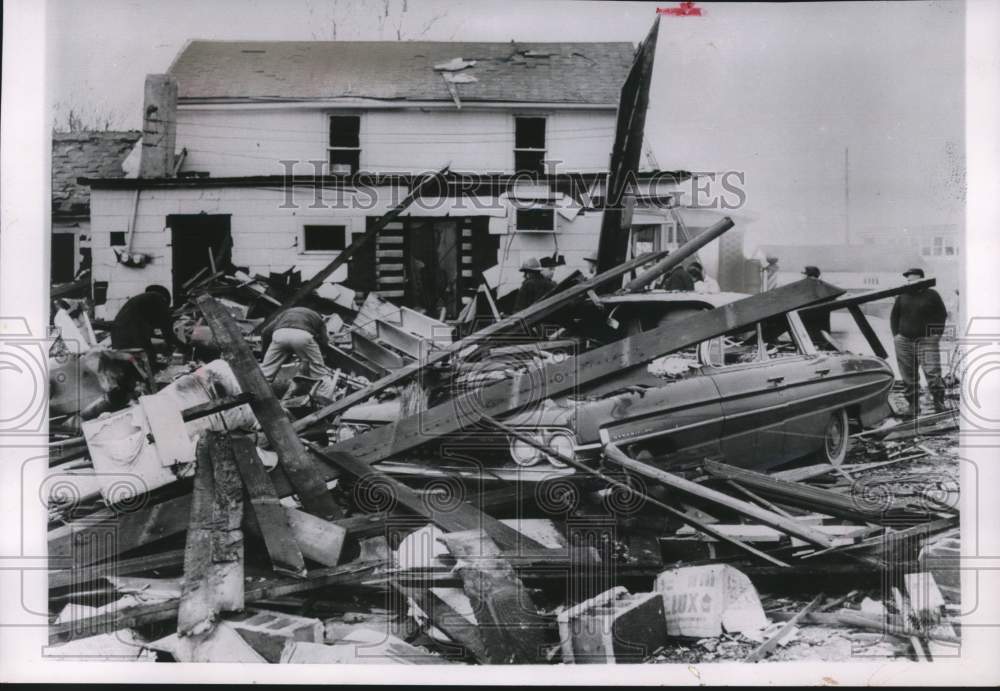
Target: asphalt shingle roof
x=87, y=155
x=581, y=73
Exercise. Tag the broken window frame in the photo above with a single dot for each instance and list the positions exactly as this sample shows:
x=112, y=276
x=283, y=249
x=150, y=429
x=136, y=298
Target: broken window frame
x=521, y=151
x=303, y=245
x=355, y=151
x=705, y=353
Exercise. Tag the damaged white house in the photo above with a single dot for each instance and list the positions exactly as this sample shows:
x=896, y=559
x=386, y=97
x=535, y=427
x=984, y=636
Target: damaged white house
x=272, y=155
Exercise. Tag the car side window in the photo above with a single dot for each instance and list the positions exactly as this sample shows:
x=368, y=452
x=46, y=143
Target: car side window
x=778, y=339
x=737, y=347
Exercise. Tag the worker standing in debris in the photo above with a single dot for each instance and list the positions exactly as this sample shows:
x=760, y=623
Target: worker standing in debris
x=297, y=331
x=138, y=320
x=678, y=279
x=916, y=321
x=535, y=285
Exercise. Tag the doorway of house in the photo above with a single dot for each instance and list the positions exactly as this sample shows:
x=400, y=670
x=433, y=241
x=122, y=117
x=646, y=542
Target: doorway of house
x=63, y=257
x=198, y=241
x=433, y=267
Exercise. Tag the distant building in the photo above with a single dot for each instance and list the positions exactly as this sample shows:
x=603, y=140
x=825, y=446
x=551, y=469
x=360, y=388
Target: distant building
x=76, y=155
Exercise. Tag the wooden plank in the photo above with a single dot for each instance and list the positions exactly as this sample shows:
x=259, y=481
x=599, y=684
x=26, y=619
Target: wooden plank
x=553, y=379
x=213, y=555
x=786, y=525
x=375, y=352
x=925, y=597
x=400, y=339
x=509, y=623
x=626, y=152
x=359, y=242
x=140, y=615
x=765, y=648
x=862, y=298
x=215, y=406
x=116, y=567
x=518, y=321
x=811, y=498
x=455, y=519
x=446, y=619
x=271, y=519
x=868, y=332
x=297, y=464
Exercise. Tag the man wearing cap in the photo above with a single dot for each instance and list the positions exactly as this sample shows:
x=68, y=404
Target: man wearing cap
x=703, y=283
x=535, y=285
x=811, y=272
x=817, y=321
x=138, y=319
x=591, y=260
x=916, y=322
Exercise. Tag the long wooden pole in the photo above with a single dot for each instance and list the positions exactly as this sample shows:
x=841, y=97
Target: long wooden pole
x=769, y=518
x=689, y=248
x=352, y=249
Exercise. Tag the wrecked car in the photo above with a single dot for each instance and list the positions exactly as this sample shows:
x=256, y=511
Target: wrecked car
x=760, y=397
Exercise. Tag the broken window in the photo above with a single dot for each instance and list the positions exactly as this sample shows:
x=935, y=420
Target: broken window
x=529, y=145
x=324, y=238
x=118, y=238
x=778, y=339
x=645, y=239
x=735, y=348
x=345, y=144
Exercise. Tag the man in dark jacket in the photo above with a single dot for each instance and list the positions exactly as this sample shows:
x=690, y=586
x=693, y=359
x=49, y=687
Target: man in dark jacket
x=916, y=321
x=678, y=279
x=535, y=285
x=297, y=331
x=139, y=318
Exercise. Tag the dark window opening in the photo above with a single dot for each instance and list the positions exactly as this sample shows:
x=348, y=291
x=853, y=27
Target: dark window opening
x=536, y=219
x=118, y=238
x=345, y=144
x=324, y=238
x=529, y=145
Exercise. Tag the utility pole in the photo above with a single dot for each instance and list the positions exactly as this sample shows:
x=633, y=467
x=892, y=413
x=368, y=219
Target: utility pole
x=847, y=198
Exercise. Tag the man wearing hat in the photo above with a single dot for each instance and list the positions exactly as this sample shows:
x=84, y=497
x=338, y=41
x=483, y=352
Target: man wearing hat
x=535, y=285
x=817, y=322
x=703, y=283
x=591, y=260
x=811, y=272
x=916, y=322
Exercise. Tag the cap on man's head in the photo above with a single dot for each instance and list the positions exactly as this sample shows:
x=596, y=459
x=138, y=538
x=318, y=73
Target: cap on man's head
x=696, y=264
x=531, y=264
x=914, y=272
x=592, y=257
x=811, y=271
x=159, y=290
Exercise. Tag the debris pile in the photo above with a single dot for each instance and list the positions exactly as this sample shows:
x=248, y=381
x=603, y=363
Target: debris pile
x=201, y=512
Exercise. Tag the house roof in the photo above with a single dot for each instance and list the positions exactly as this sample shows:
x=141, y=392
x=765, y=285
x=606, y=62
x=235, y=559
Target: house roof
x=842, y=258
x=85, y=155
x=570, y=73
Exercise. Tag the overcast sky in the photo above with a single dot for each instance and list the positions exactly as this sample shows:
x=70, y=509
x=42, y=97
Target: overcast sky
x=777, y=91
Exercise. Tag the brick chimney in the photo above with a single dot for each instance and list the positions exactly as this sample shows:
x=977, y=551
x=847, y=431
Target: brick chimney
x=159, y=127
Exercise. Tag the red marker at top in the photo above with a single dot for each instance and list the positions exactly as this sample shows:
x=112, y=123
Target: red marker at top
x=686, y=9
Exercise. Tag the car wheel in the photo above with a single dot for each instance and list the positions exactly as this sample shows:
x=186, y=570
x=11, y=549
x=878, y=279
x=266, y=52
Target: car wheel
x=835, y=439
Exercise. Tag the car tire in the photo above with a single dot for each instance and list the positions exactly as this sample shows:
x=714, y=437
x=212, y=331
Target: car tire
x=836, y=440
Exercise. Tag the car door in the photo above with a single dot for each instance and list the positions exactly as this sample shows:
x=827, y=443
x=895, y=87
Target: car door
x=750, y=392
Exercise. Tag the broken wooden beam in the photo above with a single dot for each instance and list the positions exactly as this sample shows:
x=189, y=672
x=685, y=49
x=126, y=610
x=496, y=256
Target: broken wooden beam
x=765, y=648
x=786, y=525
x=345, y=255
x=302, y=471
x=445, y=618
x=843, y=506
x=459, y=518
x=271, y=518
x=213, y=555
x=215, y=406
x=517, y=323
x=140, y=615
x=553, y=379
x=513, y=632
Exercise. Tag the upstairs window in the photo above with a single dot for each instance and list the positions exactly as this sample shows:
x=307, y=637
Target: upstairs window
x=536, y=220
x=529, y=145
x=345, y=144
